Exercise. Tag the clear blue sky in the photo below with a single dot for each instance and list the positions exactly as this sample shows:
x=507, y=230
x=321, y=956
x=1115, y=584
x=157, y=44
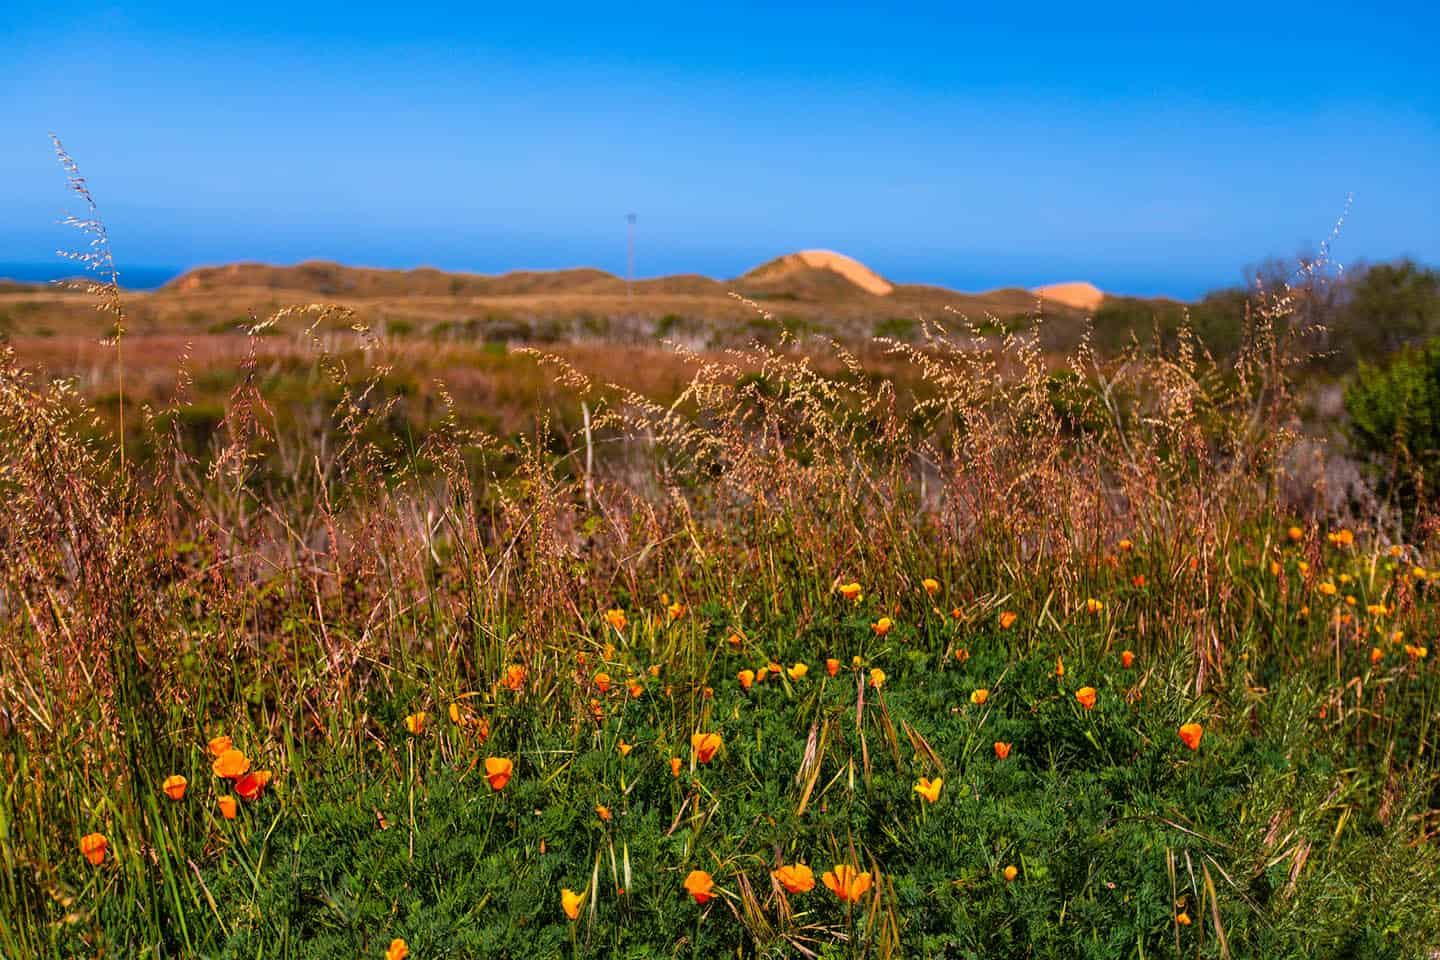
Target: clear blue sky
x=1153, y=148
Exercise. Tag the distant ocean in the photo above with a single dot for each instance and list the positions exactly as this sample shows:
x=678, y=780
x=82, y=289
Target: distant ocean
x=131, y=278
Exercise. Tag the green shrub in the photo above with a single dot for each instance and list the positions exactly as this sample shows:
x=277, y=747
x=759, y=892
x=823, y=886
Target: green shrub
x=1395, y=420
x=673, y=324
x=905, y=329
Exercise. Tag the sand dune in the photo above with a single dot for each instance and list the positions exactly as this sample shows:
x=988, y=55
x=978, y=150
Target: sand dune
x=849, y=268
x=1077, y=294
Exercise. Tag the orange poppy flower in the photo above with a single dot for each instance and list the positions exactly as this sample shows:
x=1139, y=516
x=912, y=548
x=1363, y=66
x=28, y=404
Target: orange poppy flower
x=1127, y=658
x=1125, y=546
x=1191, y=733
x=636, y=689
x=227, y=807
x=1059, y=666
x=624, y=747
x=676, y=610
x=877, y=677
x=514, y=677
x=1007, y=619
x=415, y=724
x=602, y=680
x=1086, y=696
x=616, y=618
x=231, y=764
x=699, y=884
x=675, y=765
x=761, y=674
x=398, y=950
x=93, y=847
x=596, y=710
x=1011, y=873
x=705, y=745
x=797, y=671
x=735, y=639
x=603, y=812
x=1182, y=918
x=931, y=585
x=251, y=785
x=1376, y=654
x=847, y=883
x=1138, y=580
x=1002, y=749
x=979, y=696
x=962, y=654
x=1093, y=606
x=929, y=789
x=1295, y=533
x=882, y=626
x=174, y=787
x=747, y=678
x=851, y=592
x=796, y=878
x=570, y=902
x=219, y=745
x=832, y=666
x=497, y=771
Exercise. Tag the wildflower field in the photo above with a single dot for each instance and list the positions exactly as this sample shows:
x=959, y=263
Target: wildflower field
x=1013, y=655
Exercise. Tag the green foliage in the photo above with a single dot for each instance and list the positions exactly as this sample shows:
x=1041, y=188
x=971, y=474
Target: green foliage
x=1120, y=318
x=1395, y=420
x=1389, y=307
x=671, y=324
x=1113, y=825
x=904, y=329
x=1217, y=319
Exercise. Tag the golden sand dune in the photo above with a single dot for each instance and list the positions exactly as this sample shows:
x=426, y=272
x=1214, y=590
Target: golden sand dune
x=849, y=268
x=1077, y=294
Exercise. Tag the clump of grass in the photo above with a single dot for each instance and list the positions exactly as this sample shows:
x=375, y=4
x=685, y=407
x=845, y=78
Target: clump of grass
x=310, y=593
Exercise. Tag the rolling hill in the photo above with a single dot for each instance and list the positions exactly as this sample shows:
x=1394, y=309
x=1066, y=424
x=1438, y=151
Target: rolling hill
x=816, y=277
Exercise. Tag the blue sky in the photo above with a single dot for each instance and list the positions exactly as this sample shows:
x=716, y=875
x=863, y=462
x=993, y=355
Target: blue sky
x=1151, y=148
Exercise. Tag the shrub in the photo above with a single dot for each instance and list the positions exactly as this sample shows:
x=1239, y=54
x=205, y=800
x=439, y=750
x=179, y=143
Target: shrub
x=1395, y=420
x=898, y=328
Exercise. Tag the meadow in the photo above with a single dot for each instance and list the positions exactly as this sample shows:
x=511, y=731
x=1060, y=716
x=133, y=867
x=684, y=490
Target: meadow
x=943, y=648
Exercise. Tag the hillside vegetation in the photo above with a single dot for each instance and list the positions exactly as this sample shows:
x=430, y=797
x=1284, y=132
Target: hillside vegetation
x=324, y=637
x=945, y=651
